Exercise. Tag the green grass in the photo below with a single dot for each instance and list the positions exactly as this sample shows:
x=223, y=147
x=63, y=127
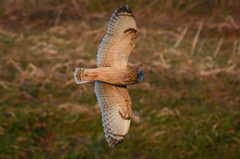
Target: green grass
x=188, y=105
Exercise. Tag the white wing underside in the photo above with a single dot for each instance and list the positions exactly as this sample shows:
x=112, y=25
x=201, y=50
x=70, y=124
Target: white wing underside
x=115, y=105
x=119, y=41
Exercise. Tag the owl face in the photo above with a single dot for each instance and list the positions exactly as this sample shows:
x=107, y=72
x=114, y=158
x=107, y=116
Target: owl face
x=140, y=75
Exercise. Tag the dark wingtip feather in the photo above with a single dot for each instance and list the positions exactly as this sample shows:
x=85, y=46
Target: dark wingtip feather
x=113, y=142
x=123, y=9
x=128, y=9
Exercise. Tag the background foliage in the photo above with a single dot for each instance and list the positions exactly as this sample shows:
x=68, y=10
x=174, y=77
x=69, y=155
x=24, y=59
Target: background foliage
x=187, y=106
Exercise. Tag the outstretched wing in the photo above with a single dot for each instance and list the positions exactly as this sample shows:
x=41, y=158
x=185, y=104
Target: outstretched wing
x=115, y=105
x=120, y=39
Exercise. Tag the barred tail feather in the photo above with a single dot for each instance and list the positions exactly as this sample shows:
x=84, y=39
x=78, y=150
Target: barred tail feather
x=82, y=75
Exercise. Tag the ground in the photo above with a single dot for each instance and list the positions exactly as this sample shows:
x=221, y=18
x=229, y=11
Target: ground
x=187, y=105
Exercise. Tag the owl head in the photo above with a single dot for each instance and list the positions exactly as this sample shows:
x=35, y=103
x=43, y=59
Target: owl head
x=140, y=75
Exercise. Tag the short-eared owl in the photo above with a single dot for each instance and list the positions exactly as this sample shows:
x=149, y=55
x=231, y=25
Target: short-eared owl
x=112, y=75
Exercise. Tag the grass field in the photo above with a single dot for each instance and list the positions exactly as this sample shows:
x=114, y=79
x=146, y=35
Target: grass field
x=187, y=106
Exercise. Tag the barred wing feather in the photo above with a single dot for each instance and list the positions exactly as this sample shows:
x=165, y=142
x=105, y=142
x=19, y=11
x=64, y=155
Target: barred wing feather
x=115, y=105
x=120, y=39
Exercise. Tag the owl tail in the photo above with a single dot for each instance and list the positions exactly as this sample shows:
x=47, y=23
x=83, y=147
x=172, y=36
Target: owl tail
x=84, y=75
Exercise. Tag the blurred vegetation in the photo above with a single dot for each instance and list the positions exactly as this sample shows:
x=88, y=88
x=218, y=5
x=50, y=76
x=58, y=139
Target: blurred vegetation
x=187, y=106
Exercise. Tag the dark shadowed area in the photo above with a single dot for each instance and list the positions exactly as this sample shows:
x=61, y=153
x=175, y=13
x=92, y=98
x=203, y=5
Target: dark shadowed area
x=187, y=106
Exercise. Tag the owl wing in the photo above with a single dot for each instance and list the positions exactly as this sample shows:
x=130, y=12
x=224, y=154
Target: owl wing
x=120, y=39
x=115, y=105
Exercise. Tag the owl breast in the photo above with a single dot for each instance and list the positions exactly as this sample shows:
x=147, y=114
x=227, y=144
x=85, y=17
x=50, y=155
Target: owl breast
x=131, y=75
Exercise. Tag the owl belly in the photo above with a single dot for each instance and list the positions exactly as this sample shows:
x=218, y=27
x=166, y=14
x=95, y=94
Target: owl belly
x=117, y=76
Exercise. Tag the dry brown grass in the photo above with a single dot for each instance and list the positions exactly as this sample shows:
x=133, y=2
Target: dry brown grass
x=187, y=106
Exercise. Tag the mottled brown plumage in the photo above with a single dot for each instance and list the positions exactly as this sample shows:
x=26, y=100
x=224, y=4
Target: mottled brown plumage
x=112, y=75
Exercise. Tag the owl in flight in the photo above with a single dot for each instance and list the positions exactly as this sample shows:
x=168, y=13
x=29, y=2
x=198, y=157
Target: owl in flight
x=113, y=74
